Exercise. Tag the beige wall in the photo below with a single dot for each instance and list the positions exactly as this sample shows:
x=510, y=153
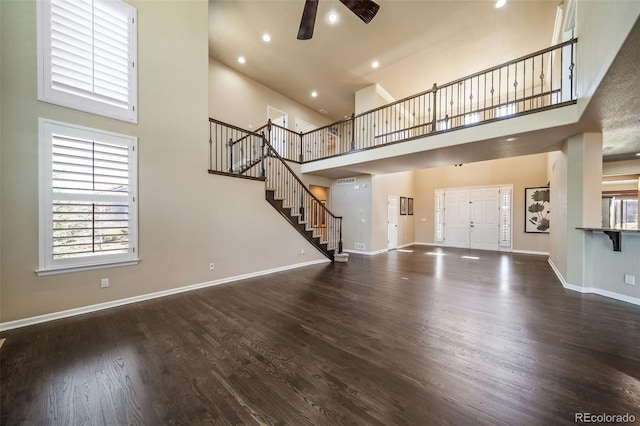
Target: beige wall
x=522, y=172
x=187, y=218
x=621, y=167
x=399, y=184
x=241, y=101
x=558, y=177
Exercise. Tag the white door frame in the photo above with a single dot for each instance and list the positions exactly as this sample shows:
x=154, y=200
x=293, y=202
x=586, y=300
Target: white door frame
x=393, y=217
x=500, y=215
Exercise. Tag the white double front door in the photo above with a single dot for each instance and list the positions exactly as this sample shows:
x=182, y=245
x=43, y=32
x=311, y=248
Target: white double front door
x=471, y=218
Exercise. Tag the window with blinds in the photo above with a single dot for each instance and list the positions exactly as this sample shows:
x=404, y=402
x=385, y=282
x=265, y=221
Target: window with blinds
x=505, y=217
x=87, y=56
x=87, y=187
x=439, y=217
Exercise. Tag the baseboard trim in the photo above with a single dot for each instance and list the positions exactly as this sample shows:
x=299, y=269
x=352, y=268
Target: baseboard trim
x=373, y=253
x=10, y=325
x=405, y=245
x=366, y=253
x=593, y=290
x=538, y=253
x=425, y=244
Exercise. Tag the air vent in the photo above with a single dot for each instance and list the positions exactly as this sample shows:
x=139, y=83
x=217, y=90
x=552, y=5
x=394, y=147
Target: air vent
x=346, y=181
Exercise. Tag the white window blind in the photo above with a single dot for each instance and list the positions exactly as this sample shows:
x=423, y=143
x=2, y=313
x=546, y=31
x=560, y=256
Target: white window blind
x=439, y=217
x=505, y=217
x=87, y=56
x=87, y=197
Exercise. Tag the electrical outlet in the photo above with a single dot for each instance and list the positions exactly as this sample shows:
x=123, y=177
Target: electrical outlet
x=212, y=266
x=104, y=282
x=630, y=279
x=301, y=252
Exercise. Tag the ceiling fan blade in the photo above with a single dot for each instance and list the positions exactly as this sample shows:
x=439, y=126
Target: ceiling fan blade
x=308, y=20
x=363, y=9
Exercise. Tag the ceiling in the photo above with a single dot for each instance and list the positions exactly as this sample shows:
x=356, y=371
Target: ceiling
x=417, y=43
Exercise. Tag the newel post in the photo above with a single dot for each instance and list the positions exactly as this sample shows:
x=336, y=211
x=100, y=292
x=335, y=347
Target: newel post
x=301, y=149
x=262, y=155
x=230, y=154
x=269, y=130
x=434, y=121
x=353, y=131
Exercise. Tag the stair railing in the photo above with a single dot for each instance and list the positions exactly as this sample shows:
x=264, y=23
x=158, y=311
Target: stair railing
x=303, y=204
x=249, y=154
x=234, y=151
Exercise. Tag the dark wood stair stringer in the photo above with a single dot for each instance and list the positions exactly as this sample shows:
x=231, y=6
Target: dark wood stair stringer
x=300, y=227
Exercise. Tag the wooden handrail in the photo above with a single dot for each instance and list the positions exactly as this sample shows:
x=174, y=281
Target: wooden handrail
x=295, y=176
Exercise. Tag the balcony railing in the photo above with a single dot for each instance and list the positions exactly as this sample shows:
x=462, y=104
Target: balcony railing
x=541, y=80
x=532, y=83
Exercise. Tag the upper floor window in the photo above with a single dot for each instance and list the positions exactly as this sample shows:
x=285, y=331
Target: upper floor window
x=506, y=110
x=88, y=214
x=87, y=56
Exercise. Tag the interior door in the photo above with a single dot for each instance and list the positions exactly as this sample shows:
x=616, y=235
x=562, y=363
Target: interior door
x=484, y=218
x=456, y=218
x=392, y=222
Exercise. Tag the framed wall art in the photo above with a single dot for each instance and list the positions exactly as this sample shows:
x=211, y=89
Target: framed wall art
x=403, y=206
x=536, y=210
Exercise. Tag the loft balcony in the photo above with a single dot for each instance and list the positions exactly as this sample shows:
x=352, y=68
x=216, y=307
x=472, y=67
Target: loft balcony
x=521, y=107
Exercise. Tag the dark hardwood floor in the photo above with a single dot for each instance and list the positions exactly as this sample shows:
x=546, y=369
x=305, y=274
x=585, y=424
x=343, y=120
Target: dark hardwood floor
x=399, y=338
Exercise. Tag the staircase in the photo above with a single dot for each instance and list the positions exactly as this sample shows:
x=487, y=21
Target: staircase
x=299, y=224
x=250, y=155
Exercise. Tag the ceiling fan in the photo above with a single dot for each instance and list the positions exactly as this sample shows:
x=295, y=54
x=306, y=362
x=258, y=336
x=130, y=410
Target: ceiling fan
x=363, y=9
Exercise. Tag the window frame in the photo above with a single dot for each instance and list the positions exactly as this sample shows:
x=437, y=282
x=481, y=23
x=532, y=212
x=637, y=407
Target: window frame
x=47, y=263
x=89, y=103
x=505, y=217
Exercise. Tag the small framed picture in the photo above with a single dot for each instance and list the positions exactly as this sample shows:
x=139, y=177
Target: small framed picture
x=410, y=206
x=403, y=205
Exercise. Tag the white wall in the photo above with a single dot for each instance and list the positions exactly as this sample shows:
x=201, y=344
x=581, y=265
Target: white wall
x=354, y=203
x=602, y=27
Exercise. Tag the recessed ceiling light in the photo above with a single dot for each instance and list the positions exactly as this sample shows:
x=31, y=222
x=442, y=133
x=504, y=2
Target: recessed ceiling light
x=638, y=154
x=266, y=38
x=375, y=64
x=314, y=94
x=241, y=59
x=500, y=3
x=332, y=18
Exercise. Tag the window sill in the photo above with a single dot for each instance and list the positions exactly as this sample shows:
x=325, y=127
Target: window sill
x=54, y=271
